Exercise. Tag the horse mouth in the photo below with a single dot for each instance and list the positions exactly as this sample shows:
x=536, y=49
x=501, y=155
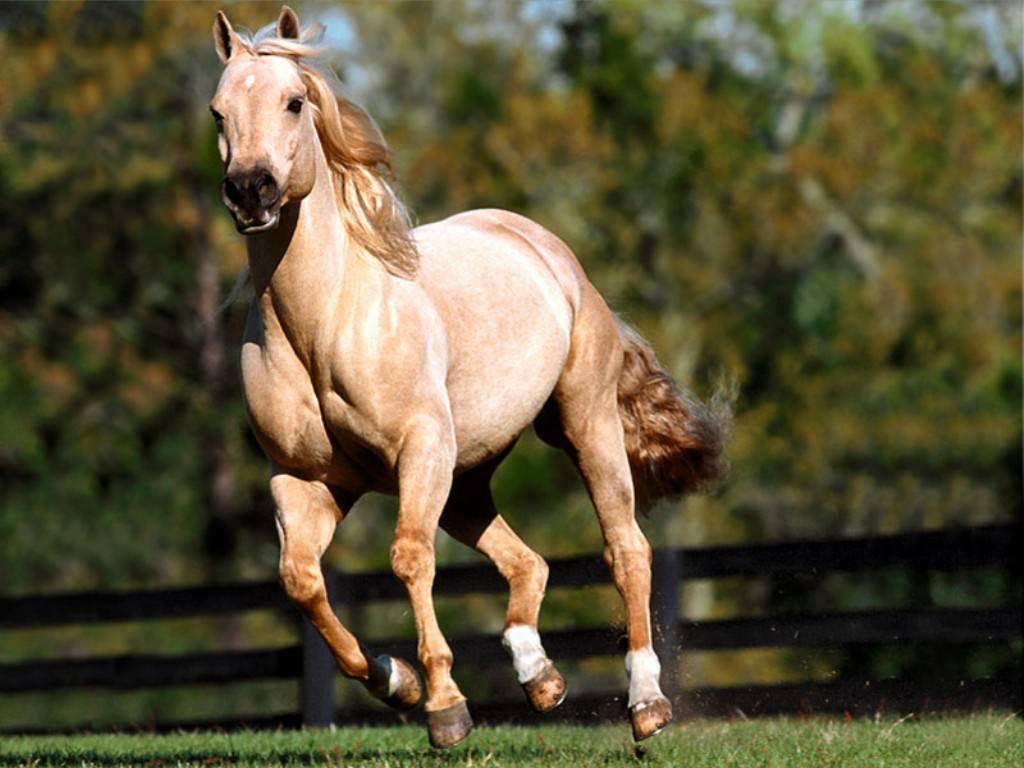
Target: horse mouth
x=255, y=226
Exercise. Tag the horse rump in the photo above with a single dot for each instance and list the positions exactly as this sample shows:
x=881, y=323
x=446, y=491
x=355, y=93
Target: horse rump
x=675, y=443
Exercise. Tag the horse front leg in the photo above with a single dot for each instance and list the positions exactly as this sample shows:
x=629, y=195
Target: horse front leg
x=425, y=467
x=307, y=514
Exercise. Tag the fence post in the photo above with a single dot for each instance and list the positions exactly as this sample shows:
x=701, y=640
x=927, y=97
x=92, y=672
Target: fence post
x=665, y=575
x=318, y=667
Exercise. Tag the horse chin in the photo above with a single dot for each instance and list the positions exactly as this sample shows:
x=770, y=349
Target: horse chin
x=256, y=227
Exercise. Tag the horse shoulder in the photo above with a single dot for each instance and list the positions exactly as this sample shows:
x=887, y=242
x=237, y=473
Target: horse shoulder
x=386, y=365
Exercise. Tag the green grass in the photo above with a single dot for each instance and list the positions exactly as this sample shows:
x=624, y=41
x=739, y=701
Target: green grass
x=988, y=741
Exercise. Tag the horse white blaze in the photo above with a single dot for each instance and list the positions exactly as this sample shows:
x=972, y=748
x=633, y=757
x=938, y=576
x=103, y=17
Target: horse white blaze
x=528, y=656
x=643, y=669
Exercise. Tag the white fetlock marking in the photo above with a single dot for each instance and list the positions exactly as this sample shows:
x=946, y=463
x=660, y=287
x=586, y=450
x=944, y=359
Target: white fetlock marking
x=383, y=662
x=643, y=669
x=394, y=679
x=528, y=655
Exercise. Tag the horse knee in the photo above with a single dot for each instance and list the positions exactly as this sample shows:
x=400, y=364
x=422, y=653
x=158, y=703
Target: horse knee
x=302, y=579
x=412, y=557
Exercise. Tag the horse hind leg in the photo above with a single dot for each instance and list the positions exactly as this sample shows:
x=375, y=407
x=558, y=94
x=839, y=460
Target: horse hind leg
x=471, y=517
x=591, y=429
x=602, y=462
x=307, y=514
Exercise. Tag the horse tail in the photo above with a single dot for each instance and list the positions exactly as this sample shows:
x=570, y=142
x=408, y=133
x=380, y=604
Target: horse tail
x=675, y=443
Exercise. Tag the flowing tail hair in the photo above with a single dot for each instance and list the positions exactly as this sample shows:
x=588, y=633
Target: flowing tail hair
x=675, y=443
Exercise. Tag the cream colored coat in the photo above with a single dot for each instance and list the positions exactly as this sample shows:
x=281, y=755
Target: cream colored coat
x=379, y=359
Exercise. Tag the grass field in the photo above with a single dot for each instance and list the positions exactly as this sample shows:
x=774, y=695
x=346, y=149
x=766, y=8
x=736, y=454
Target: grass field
x=989, y=741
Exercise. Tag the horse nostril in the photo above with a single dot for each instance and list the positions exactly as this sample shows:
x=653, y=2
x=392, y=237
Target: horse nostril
x=232, y=192
x=267, y=190
x=252, y=193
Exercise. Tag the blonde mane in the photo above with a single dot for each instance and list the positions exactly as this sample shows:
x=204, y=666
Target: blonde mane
x=359, y=158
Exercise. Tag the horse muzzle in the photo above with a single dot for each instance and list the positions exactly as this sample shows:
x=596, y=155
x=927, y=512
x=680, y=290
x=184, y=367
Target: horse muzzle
x=254, y=199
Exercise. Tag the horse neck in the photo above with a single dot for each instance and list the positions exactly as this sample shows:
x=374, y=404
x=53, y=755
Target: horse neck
x=297, y=269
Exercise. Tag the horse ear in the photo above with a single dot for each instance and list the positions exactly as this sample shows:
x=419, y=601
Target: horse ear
x=288, y=24
x=223, y=37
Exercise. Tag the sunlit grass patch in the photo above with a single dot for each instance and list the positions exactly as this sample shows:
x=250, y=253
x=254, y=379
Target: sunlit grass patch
x=985, y=741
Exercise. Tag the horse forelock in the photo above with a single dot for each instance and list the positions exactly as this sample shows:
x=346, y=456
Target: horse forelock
x=265, y=42
x=375, y=218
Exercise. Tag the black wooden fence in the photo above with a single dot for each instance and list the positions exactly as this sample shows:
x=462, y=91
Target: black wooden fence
x=951, y=550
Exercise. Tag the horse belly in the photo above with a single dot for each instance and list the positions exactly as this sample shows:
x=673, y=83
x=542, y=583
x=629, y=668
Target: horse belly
x=484, y=431
x=501, y=383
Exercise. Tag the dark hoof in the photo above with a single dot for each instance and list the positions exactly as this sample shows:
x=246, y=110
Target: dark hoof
x=547, y=690
x=408, y=690
x=449, y=726
x=650, y=717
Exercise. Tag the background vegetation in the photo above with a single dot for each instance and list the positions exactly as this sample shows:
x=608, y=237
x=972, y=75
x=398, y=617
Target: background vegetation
x=820, y=201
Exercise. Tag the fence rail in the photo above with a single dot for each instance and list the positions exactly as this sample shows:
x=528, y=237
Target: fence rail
x=945, y=550
x=308, y=661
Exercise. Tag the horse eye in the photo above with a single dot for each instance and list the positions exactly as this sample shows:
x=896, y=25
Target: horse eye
x=295, y=105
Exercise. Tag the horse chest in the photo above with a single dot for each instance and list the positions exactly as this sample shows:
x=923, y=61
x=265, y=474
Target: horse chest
x=315, y=433
x=283, y=409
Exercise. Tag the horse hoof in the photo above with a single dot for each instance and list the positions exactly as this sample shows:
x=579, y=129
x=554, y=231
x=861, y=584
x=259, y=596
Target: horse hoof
x=449, y=726
x=396, y=682
x=546, y=690
x=649, y=718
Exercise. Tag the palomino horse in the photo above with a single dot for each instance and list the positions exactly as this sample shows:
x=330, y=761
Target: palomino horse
x=379, y=358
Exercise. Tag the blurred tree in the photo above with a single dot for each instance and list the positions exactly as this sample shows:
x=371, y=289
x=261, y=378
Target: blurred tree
x=124, y=430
